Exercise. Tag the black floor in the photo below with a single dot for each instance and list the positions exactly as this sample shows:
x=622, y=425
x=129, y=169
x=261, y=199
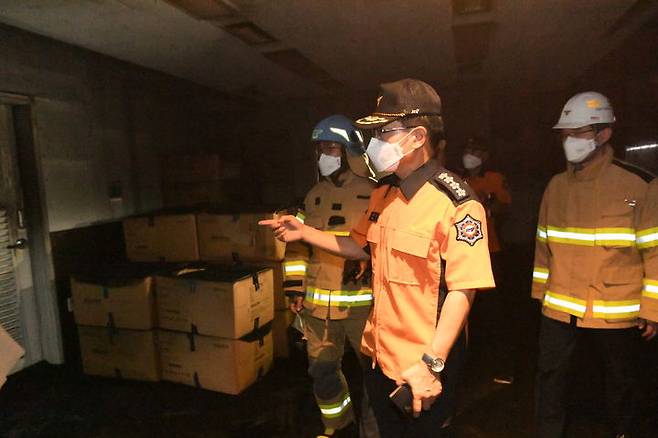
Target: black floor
x=47, y=400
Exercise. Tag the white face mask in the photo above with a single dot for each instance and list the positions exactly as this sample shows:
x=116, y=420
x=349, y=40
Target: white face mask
x=386, y=156
x=328, y=164
x=471, y=161
x=577, y=149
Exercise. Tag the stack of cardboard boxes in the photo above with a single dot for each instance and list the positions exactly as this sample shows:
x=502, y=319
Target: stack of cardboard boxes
x=116, y=324
x=229, y=239
x=239, y=238
x=206, y=321
x=210, y=321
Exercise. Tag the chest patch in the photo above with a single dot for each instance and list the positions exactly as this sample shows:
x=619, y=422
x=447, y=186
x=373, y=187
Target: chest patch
x=469, y=230
x=373, y=216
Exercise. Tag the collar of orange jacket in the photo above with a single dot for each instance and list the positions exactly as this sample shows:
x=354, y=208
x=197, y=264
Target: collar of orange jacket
x=412, y=183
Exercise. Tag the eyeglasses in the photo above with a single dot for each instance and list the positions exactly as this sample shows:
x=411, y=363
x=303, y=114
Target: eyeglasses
x=577, y=134
x=379, y=132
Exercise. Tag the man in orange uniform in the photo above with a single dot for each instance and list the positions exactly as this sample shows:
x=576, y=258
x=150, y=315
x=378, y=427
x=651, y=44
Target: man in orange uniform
x=426, y=234
x=596, y=266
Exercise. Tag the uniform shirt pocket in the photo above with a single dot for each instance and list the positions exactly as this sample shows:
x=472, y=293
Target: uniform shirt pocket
x=407, y=260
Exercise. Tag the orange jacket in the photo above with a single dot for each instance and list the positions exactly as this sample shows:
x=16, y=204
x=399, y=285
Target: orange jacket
x=429, y=230
x=596, y=255
x=486, y=185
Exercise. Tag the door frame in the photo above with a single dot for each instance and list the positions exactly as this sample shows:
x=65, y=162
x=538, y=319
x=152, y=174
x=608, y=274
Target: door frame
x=28, y=160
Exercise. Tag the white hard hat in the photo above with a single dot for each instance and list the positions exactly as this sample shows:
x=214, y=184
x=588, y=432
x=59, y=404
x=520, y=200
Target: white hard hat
x=583, y=109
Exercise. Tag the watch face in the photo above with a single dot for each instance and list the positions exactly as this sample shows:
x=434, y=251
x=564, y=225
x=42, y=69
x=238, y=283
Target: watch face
x=437, y=365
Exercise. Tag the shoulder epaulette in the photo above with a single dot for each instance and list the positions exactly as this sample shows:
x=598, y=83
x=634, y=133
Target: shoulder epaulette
x=636, y=170
x=452, y=185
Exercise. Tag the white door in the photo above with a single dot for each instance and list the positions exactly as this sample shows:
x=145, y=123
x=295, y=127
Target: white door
x=18, y=310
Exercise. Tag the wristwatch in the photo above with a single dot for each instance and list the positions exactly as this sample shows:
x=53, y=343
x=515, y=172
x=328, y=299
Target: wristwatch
x=435, y=364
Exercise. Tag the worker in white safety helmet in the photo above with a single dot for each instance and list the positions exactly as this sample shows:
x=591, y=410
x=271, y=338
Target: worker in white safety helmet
x=595, y=269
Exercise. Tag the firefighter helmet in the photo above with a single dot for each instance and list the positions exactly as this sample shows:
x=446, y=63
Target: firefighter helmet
x=339, y=129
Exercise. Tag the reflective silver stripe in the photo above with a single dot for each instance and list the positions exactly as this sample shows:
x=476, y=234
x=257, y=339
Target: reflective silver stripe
x=643, y=240
x=341, y=298
x=549, y=299
x=295, y=268
x=541, y=275
x=650, y=288
x=605, y=308
x=600, y=235
x=626, y=237
x=571, y=235
x=338, y=409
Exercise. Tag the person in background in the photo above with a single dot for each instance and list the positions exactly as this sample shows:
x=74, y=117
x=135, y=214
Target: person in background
x=490, y=186
x=333, y=296
x=595, y=269
x=493, y=313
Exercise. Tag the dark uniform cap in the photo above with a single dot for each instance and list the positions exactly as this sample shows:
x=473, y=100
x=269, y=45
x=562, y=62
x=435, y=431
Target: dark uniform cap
x=400, y=99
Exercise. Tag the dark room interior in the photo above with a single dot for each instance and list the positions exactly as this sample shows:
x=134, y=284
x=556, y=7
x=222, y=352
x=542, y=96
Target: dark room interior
x=142, y=141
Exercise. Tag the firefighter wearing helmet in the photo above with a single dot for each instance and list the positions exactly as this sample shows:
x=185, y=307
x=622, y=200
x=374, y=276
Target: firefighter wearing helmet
x=596, y=267
x=333, y=296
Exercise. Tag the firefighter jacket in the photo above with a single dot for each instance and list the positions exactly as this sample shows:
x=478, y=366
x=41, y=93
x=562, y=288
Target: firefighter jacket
x=328, y=280
x=596, y=255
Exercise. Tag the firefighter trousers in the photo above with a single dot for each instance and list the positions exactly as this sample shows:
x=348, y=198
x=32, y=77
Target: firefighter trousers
x=617, y=357
x=326, y=345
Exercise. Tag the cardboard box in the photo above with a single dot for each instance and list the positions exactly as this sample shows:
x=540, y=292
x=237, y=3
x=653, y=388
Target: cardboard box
x=191, y=194
x=217, y=364
x=191, y=168
x=282, y=320
x=126, y=354
x=114, y=302
x=215, y=301
x=237, y=237
x=164, y=237
x=141, y=239
x=10, y=354
x=280, y=299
